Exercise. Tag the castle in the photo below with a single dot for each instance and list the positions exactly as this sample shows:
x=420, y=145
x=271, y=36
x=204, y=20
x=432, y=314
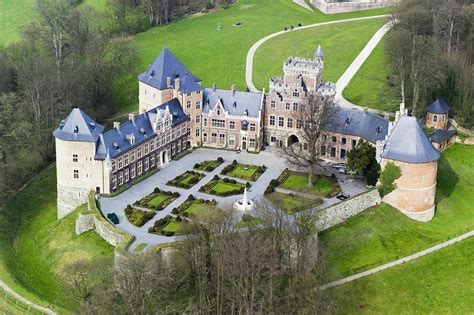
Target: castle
x=340, y=6
x=176, y=113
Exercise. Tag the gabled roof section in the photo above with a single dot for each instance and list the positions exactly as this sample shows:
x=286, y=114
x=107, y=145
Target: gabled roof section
x=236, y=103
x=165, y=66
x=441, y=136
x=176, y=110
x=438, y=107
x=408, y=143
x=78, y=126
x=351, y=121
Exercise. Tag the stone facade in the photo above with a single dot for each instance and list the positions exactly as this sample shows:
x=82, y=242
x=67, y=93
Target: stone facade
x=69, y=198
x=416, y=190
x=84, y=223
x=338, y=6
x=437, y=121
x=340, y=212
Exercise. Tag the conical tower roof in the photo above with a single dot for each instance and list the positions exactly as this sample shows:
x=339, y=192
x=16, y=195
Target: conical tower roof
x=78, y=126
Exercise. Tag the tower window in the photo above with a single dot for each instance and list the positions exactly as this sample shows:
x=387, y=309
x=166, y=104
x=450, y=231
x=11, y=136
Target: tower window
x=74, y=158
x=76, y=174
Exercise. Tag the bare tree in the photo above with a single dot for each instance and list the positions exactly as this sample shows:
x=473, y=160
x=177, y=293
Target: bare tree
x=311, y=119
x=448, y=20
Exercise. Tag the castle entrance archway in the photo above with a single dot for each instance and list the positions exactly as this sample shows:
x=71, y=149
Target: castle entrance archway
x=292, y=140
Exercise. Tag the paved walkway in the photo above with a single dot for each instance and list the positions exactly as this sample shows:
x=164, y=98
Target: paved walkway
x=303, y=4
x=253, y=49
x=45, y=310
x=399, y=261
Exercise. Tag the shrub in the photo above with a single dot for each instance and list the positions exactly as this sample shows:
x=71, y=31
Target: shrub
x=220, y=159
x=241, y=190
x=269, y=190
x=234, y=162
x=274, y=183
x=174, y=211
x=129, y=206
x=151, y=229
x=388, y=177
x=148, y=215
x=156, y=190
x=168, y=193
x=214, y=202
x=197, y=165
x=209, y=168
x=176, y=194
x=185, y=214
x=247, y=217
x=247, y=184
x=216, y=177
x=159, y=208
x=168, y=233
x=226, y=180
x=292, y=195
x=178, y=218
x=190, y=197
x=232, y=181
x=213, y=192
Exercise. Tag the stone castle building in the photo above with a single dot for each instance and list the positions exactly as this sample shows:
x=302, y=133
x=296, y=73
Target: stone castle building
x=177, y=113
x=341, y=6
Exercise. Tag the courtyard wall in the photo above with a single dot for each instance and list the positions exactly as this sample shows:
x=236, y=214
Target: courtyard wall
x=335, y=6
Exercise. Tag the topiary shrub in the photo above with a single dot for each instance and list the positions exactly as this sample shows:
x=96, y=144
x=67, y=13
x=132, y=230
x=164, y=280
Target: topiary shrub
x=269, y=190
x=190, y=197
x=247, y=184
x=209, y=168
x=197, y=165
x=234, y=162
x=216, y=177
x=226, y=180
x=274, y=183
x=220, y=159
x=232, y=181
x=176, y=194
x=178, y=219
x=156, y=190
x=174, y=211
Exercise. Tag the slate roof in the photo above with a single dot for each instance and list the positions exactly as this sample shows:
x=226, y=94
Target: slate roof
x=167, y=65
x=441, y=136
x=439, y=106
x=236, y=103
x=409, y=143
x=355, y=122
x=78, y=126
x=114, y=142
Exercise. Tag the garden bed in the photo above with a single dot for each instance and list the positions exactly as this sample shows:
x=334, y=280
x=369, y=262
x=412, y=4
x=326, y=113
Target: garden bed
x=224, y=187
x=291, y=203
x=323, y=186
x=157, y=200
x=186, y=180
x=209, y=166
x=167, y=226
x=138, y=217
x=193, y=207
x=243, y=171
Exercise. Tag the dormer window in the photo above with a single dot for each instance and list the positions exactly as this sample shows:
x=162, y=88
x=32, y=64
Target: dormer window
x=296, y=94
x=378, y=130
x=347, y=121
x=218, y=112
x=76, y=129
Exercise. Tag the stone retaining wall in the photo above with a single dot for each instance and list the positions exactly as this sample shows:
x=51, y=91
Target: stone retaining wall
x=332, y=7
x=342, y=211
x=84, y=223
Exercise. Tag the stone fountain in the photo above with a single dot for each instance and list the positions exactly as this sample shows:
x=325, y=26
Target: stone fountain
x=244, y=204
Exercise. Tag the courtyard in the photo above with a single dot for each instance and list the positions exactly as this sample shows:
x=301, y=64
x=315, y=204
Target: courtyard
x=157, y=190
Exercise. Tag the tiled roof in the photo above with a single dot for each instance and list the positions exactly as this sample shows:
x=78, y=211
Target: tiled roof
x=78, y=126
x=440, y=136
x=359, y=123
x=236, y=103
x=438, y=107
x=409, y=143
x=165, y=66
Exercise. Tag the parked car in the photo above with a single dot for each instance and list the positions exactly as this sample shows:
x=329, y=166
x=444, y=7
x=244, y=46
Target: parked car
x=113, y=218
x=339, y=166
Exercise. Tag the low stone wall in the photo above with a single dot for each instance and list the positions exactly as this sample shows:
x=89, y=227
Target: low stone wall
x=331, y=7
x=104, y=230
x=84, y=223
x=342, y=211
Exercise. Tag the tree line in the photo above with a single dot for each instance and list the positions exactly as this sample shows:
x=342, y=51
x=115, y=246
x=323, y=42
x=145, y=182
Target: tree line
x=431, y=53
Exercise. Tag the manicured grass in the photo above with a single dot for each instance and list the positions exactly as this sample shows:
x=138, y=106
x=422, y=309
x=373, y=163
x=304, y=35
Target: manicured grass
x=291, y=203
x=138, y=217
x=243, y=171
x=249, y=223
x=439, y=283
x=341, y=44
x=382, y=234
x=222, y=187
x=208, y=166
x=140, y=247
x=370, y=87
x=197, y=208
x=35, y=245
x=174, y=227
x=157, y=200
x=224, y=63
x=186, y=180
x=323, y=186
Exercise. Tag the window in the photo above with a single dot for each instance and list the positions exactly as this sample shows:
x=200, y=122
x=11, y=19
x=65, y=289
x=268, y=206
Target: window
x=132, y=156
x=198, y=104
x=325, y=137
x=273, y=139
x=126, y=175
x=222, y=138
x=272, y=120
x=296, y=94
x=179, y=146
x=343, y=154
x=344, y=140
x=188, y=131
x=198, y=132
x=198, y=92
x=205, y=122
x=120, y=163
x=139, y=152
x=188, y=94
x=132, y=171
x=435, y=118
x=198, y=119
x=232, y=125
x=152, y=159
x=152, y=146
x=125, y=160
x=334, y=139
x=290, y=122
x=252, y=143
x=253, y=127
x=204, y=137
x=220, y=123
x=354, y=143
x=147, y=163
x=188, y=104
x=120, y=178
x=287, y=106
x=146, y=148
x=333, y=152
x=281, y=121
x=444, y=118
x=214, y=137
x=295, y=106
x=76, y=174
x=114, y=182
x=74, y=158
x=323, y=150
x=113, y=165
x=272, y=104
x=299, y=124
x=139, y=168
x=231, y=141
x=305, y=146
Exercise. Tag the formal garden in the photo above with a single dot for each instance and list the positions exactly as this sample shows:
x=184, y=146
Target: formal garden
x=138, y=217
x=243, y=171
x=224, y=187
x=194, y=207
x=209, y=166
x=186, y=180
x=292, y=203
x=157, y=200
x=167, y=226
x=323, y=186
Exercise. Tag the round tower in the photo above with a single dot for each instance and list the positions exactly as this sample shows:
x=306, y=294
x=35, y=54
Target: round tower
x=437, y=114
x=408, y=147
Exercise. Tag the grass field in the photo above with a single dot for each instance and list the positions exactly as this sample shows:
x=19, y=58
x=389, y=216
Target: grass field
x=439, y=283
x=197, y=208
x=382, y=234
x=341, y=44
x=222, y=187
x=208, y=166
x=174, y=226
x=292, y=203
x=244, y=171
x=35, y=245
x=323, y=186
x=370, y=86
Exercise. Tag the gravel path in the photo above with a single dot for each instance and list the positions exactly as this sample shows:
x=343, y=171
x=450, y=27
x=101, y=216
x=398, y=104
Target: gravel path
x=399, y=261
x=45, y=310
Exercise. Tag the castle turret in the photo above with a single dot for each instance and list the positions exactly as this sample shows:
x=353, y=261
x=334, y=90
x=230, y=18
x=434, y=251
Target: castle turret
x=77, y=171
x=437, y=114
x=408, y=147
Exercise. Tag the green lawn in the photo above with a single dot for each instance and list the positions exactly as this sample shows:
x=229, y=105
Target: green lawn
x=158, y=200
x=323, y=186
x=243, y=171
x=439, y=283
x=198, y=208
x=35, y=245
x=138, y=217
x=140, y=247
x=186, y=180
x=341, y=44
x=208, y=166
x=292, y=203
x=174, y=226
x=222, y=187
x=382, y=234
x=370, y=87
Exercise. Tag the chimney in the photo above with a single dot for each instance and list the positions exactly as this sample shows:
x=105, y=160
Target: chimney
x=131, y=116
x=168, y=81
x=232, y=89
x=177, y=84
x=117, y=125
x=214, y=87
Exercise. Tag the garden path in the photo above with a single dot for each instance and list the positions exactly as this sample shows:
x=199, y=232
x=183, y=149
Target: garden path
x=20, y=298
x=399, y=261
